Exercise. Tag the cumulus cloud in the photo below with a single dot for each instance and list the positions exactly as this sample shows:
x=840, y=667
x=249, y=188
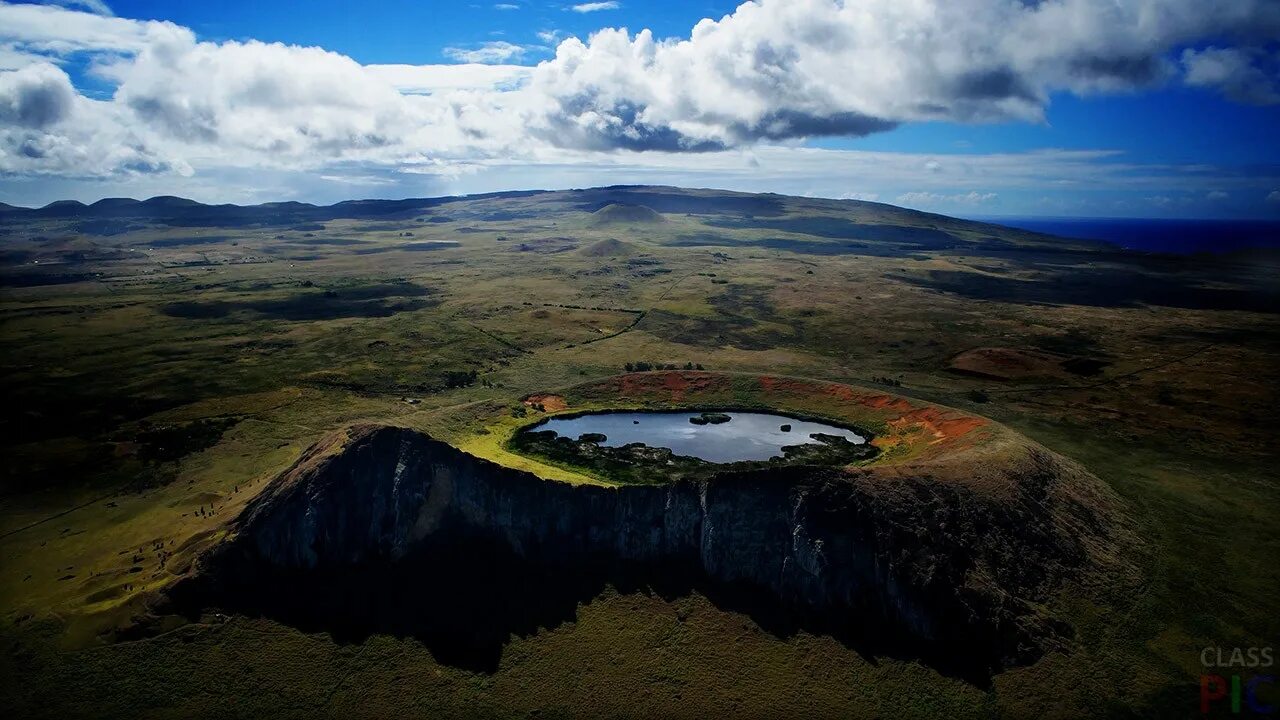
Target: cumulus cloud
x=1246, y=75
x=778, y=70
x=491, y=52
x=772, y=71
x=46, y=128
x=595, y=6
x=268, y=98
x=1215, y=195
x=36, y=96
x=47, y=28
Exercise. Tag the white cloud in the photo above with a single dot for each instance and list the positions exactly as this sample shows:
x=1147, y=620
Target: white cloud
x=98, y=7
x=595, y=6
x=36, y=96
x=506, y=6
x=1273, y=197
x=361, y=180
x=428, y=79
x=1246, y=75
x=775, y=70
x=867, y=197
x=13, y=58
x=918, y=199
x=1115, y=186
x=1215, y=195
x=268, y=99
x=46, y=28
x=769, y=73
x=491, y=52
x=46, y=128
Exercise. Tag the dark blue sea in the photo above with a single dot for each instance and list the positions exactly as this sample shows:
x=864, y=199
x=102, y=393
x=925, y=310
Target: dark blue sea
x=1168, y=236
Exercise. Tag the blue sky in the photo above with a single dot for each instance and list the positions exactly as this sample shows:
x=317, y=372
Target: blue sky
x=1143, y=108
x=415, y=31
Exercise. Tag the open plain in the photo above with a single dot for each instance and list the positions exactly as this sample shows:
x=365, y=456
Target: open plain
x=171, y=368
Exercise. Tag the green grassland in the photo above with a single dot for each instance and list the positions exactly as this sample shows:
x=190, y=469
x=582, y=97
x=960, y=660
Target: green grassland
x=157, y=378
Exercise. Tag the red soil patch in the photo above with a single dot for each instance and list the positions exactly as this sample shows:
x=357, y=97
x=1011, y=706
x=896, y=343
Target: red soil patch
x=550, y=403
x=1008, y=363
x=907, y=421
x=932, y=422
x=938, y=423
x=885, y=402
x=669, y=386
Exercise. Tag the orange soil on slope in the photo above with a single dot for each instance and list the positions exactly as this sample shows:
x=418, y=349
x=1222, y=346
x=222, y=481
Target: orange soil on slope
x=908, y=422
x=550, y=403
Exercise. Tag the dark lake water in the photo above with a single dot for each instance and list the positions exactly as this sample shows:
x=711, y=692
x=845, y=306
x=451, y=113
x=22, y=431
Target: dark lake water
x=747, y=435
x=1157, y=235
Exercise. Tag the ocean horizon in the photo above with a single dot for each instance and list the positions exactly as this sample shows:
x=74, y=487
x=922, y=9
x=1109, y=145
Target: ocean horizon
x=1156, y=234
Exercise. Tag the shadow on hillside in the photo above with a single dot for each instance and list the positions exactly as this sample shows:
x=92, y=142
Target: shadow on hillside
x=465, y=601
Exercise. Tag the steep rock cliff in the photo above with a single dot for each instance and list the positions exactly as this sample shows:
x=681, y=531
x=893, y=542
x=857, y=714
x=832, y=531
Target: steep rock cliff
x=954, y=574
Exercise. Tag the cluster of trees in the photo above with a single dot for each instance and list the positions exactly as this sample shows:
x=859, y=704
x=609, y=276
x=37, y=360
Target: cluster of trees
x=167, y=443
x=643, y=366
x=887, y=381
x=460, y=378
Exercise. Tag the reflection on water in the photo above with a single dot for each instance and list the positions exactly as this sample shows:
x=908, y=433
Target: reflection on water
x=747, y=436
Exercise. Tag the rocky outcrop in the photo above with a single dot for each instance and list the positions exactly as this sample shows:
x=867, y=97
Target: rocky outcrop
x=955, y=576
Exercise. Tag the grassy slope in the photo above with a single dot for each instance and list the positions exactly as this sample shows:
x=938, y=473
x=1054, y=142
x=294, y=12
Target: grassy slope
x=1179, y=425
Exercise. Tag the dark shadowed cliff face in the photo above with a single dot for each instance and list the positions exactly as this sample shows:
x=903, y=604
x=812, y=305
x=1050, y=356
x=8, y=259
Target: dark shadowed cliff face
x=391, y=531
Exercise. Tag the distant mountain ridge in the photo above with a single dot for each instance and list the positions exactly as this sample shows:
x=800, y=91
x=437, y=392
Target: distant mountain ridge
x=875, y=225
x=183, y=212
x=179, y=211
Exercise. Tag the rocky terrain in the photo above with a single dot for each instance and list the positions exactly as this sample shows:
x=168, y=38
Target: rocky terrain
x=883, y=558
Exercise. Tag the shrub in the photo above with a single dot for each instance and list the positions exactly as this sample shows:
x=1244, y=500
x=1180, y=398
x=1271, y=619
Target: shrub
x=459, y=378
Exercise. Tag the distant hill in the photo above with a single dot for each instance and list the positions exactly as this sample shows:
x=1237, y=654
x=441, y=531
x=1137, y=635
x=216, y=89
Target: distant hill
x=608, y=248
x=181, y=212
x=833, y=226
x=619, y=214
x=64, y=208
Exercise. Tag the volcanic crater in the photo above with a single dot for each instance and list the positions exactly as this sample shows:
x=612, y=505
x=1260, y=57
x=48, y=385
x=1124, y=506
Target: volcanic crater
x=947, y=541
